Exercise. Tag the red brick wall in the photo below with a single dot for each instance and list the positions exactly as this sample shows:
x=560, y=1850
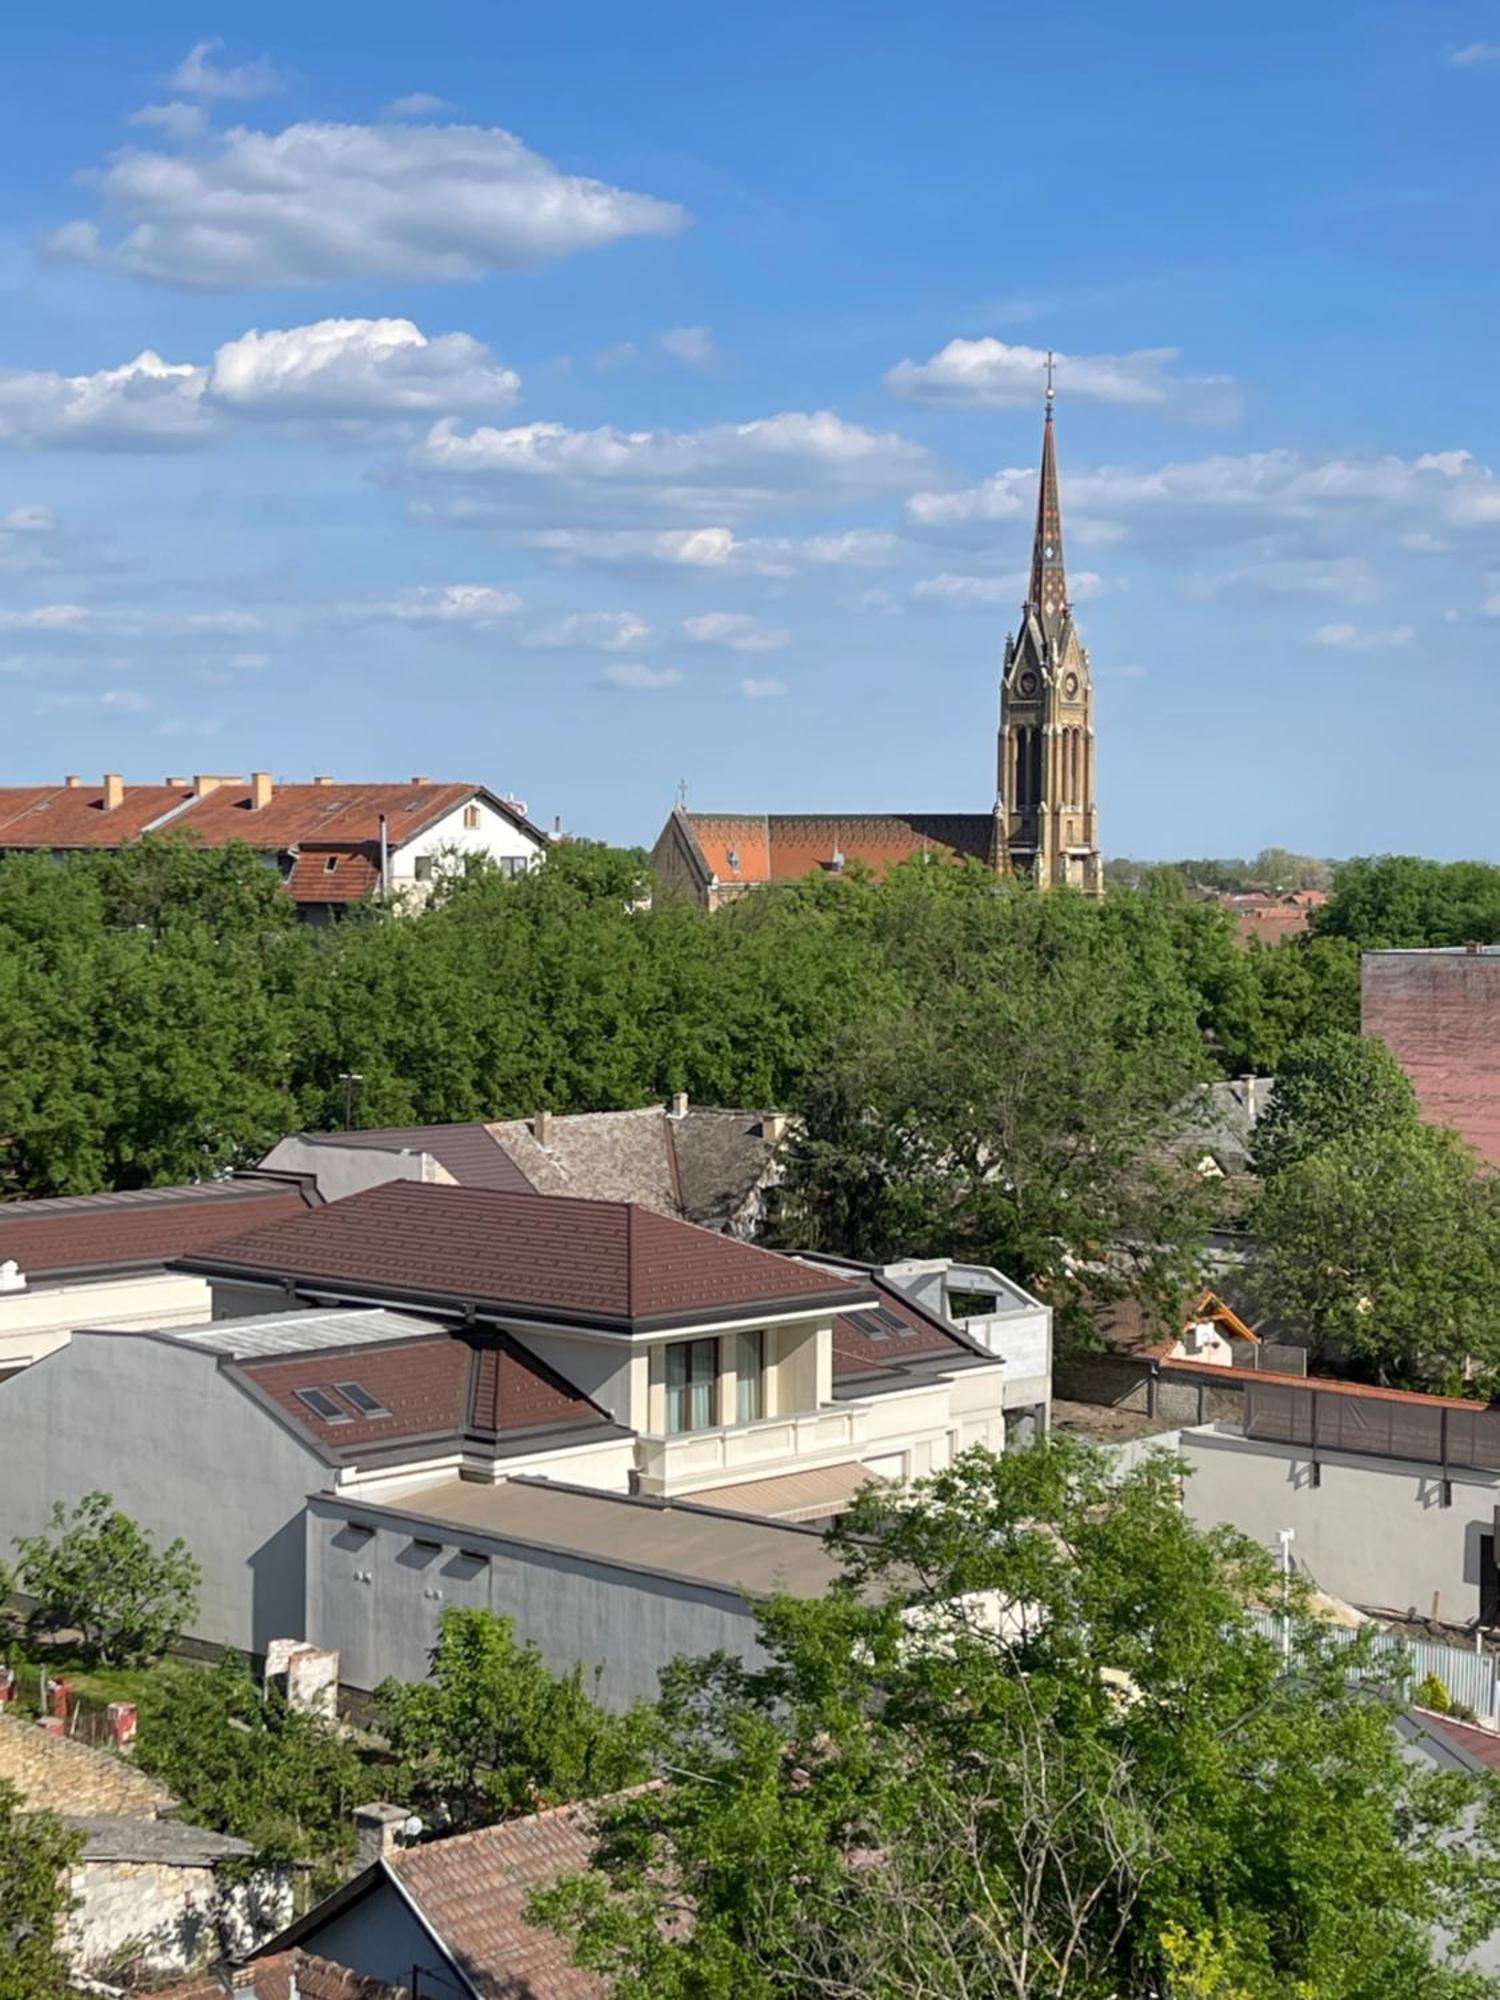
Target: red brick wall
x=1439, y=1014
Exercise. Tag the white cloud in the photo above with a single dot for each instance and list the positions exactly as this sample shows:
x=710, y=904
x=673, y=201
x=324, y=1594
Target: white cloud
x=198, y=75
x=82, y=619
x=1228, y=497
x=632, y=674
x=1476, y=52
x=123, y=700
x=176, y=120
x=692, y=344
x=994, y=373
x=322, y=201
x=794, y=457
x=1349, y=579
x=31, y=520
x=24, y=533
x=1351, y=639
x=449, y=604
x=358, y=368
x=148, y=403
x=881, y=603
x=760, y=690
x=611, y=631
x=738, y=630
x=416, y=104
x=948, y=588
x=858, y=548
x=714, y=549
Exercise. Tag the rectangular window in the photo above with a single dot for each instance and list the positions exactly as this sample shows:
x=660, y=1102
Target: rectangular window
x=363, y=1401
x=422, y=868
x=750, y=1363
x=516, y=864
x=322, y=1405
x=692, y=1378
x=471, y=817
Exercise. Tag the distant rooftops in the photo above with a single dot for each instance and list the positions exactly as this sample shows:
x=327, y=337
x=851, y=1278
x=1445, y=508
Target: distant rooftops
x=89, y=1234
x=614, y=1266
x=704, y=1163
x=751, y=848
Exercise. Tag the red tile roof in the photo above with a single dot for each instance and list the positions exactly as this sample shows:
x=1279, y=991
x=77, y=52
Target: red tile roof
x=478, y=1384
x=472, y=1892
x=335, y=815
x=334, y=874
x=1482, y=1744
x=784, y=847
x=604, y=1263
x=271, y=1979
x=859, y=1348
x=74, y=815
x=120, y=1232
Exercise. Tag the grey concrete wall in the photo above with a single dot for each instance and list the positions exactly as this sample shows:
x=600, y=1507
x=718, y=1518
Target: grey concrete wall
x=1373, y=1531
x=378, y=1599
x=601, y=1370
x=183, y=1452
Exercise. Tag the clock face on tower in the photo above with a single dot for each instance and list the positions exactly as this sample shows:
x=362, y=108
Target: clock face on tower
x=1027, y=683
x=1070, y=686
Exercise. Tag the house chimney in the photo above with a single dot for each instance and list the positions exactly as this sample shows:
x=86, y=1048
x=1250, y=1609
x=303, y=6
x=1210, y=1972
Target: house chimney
x=377, y=1831
x=679, y=1104
x=72, y=781
x=324, y=778
x=773, y=1127
x=261, y=789
x=205, y=782
x=114, y=791
x=1247, y=1084
x=180, y=783
x=1473, y=948
x=420, y=780
x=541, y=1128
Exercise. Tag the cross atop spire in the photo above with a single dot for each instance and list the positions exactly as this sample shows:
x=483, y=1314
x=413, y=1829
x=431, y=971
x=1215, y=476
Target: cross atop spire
x=1047, y=596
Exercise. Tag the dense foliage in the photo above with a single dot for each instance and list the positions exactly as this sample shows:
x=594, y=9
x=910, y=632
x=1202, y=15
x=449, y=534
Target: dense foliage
x=95, y=1572
x=1032, y=1746
x=1401, y=901
x=493, y=1732
x=1334, y=1085
x=35, y=1851
x=242, y=1762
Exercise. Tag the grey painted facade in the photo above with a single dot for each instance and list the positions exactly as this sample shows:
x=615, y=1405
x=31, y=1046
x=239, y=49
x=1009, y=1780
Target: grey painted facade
x=1374, y=1531
x=378, y=1582
x=380, y=1936
x=183, y=1452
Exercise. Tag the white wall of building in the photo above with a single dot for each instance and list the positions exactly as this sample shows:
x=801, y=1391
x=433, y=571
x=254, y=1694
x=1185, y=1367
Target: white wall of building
x=39, y=1320
x=496, y=836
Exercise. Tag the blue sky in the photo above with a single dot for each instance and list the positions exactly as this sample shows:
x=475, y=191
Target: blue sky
x=580, y=398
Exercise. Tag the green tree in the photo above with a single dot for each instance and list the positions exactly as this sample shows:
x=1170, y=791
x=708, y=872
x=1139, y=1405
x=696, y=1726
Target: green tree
x=1402, y=901
x=1018, y=1109
x=494, y=1732
x=95, y=1572
x=1386, y=1246
x=1332, y=1086
x=242, y=1762
x=36, y=1851
x=1031, y=1745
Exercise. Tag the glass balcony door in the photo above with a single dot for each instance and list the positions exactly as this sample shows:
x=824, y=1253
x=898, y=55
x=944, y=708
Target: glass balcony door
x=692, y=1384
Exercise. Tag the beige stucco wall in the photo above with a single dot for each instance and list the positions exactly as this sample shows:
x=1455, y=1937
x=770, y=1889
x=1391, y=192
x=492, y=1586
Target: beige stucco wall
x=39, y=1320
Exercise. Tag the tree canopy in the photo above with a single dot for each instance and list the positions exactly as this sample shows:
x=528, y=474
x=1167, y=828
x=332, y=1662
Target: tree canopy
x=1032, y=1745
x=35, y=1853
x=1332, y=1086
x=94, y=1571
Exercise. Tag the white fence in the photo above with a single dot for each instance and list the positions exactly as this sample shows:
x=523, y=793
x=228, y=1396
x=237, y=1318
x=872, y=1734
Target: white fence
x=1471, y=1678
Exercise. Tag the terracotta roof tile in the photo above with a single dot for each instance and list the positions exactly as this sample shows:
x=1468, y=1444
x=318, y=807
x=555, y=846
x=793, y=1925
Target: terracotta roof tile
x=337, y=815
x=135, y=1231
x=334, y=874
x=271, y=1979
x=473, y=1890
x=74, y=815
x=784, y=847
x=610, y=1264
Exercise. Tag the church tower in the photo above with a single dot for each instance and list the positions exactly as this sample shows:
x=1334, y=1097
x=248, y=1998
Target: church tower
x=1047, y=825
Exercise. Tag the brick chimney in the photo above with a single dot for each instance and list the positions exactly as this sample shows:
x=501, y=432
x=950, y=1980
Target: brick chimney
x=261, y=789
x=114, y=791
x=72, y=781
x=541, y=1128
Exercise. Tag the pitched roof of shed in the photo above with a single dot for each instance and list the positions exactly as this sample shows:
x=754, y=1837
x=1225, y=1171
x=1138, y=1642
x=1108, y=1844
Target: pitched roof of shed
x=473, y=1889
x=601, y=1263
x=107, y=1232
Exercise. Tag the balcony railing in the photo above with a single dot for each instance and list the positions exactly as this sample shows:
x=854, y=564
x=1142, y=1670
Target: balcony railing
x=690, y=1460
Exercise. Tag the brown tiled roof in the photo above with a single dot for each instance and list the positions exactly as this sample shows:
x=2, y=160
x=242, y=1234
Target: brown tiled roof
x=783, y=847
x=859, y=1348
x=477, y=1383
x=609, y=1264
x=471, y=1152
x=1482, y=1744
x=472, y=1891
x=75, y=816
x=105, y=1232
x=271, y=1979
x=325, y=816
x=334, y=874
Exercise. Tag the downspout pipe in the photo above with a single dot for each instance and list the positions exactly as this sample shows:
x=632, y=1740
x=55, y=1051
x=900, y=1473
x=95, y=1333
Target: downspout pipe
x=385, y=859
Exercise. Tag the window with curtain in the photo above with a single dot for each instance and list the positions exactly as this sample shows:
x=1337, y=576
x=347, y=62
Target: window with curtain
x=692, y=1375
x=750, y=1364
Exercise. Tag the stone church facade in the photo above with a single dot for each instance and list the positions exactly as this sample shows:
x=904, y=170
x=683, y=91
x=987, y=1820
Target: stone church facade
x=1044, y=823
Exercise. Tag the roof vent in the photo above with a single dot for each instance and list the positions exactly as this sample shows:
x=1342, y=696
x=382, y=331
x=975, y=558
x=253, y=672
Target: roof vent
x=12, y=1277
x=679, y=1104
x=733, y=858
x=836, y=863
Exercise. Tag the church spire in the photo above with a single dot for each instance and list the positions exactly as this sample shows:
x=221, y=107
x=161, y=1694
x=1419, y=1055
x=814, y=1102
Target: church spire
x=1048, y=594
